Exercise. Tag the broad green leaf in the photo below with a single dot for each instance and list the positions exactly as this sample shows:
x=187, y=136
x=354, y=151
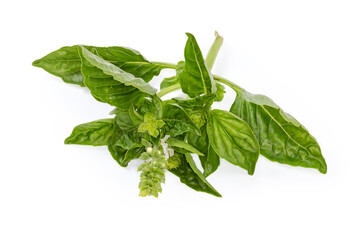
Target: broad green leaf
x=195, y=79
x=121, y=155
x=96, y=133
x=196, y=108
x=191, y=176
x=66, y=63
x=117, y=73
x=129, y=60
x=281, y=137
x=129, y=140
x=135, y=116
x=117, y=152
x=124, y=121
x=131, y=154
x=177, y=120
x=105, y=88
x=173, y=142
x=177, y=127
x=210, y=161
x=196, y=102
x=152, y=104
x=232, y=139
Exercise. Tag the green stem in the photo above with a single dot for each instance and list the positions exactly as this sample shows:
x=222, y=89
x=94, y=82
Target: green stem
x=214, y=50
x=164, y=65
x=227, y=82
x=217, y=78
x=168, y=90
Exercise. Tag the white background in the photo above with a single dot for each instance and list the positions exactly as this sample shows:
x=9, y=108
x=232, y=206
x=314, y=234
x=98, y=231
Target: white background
x=305, y=55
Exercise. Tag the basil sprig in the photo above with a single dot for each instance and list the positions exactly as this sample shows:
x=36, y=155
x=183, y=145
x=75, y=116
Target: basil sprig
x=165, y=135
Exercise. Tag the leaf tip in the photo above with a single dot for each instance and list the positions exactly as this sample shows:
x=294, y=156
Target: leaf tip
x=67, y=140
x=323, y=169
x=189, y=35
x=36, y=63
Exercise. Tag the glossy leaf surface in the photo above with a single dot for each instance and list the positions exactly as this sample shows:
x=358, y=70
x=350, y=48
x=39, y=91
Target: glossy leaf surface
x=117, y=73
x=107, y=89
x=96, y=133
x=210, y=161
x=177, y=119
x=66, y=62
x=282, y=138
x=167, y=82
x=232, y=139
x=190, y=175
x=173, y=142
x=195, y=79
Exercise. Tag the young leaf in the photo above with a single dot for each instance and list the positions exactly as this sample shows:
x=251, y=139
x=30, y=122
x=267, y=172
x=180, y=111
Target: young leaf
x=135, y=116
x=128, y=140
x=121, y=155
x=151, y=125
x=195, y=79
x=66, y=63
x=124, y=121
x=177, y=119
x=220, y=91
x=282, y=138
x=210, y=161
x=173, y=142
x=232, y=139
x=96, y=133
x=167, y=82
x=116, y=73
x=191, y=176
x=131, y=154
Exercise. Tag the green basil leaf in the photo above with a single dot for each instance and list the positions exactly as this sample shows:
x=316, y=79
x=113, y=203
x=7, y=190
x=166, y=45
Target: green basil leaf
x=178, y=119
x=282, y=138
x=210, y=161
x=196, y=102
x=129, y=60
x=220, y=91
x=117, y=73
x=135, y=116
x=152, y=104
x=124, y=121
x=120, y=154
x=96, y=133
x=196, y=109
x=167, y=82
x=195, y=79
x=232, y=139
x=173, y=142
x=66, y=63
x=191, y=176
x=151, y=125
x=177, y=127
x=105, y=88
x=117, y=152
x=133, y=153
x=128, y=141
